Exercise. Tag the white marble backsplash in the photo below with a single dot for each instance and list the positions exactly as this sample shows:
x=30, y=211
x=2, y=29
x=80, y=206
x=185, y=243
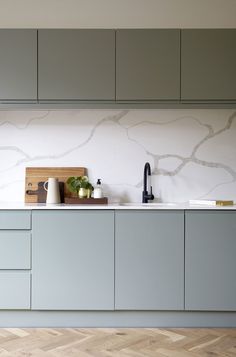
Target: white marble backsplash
x=192, y=152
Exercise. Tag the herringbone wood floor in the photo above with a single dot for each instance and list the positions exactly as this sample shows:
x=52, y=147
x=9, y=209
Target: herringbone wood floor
x=72, y=342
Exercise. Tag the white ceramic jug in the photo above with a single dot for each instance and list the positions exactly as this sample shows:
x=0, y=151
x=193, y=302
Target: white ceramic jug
x=53, y=192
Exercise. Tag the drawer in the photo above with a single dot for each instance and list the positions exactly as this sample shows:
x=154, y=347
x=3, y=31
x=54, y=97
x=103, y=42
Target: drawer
x=15, y=290
x=10, y=219
x=15, y=249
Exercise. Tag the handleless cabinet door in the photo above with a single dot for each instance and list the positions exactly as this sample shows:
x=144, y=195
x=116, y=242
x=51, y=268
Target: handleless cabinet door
x=76, y=64
x=210, y=267
x=149, y=260
x=72, y=260
x=148, y=64
x=18, y=64
x=208, y=70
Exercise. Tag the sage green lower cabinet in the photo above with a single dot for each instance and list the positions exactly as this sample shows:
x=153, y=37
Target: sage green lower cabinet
x=73, y=260
x=210, y=282
x=14, y=290
x=149, y=260
x=15, y=259
x=15, y=249
x=15, y=219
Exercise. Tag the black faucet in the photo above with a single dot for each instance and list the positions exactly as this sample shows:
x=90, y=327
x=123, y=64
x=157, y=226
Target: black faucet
x=147, y=172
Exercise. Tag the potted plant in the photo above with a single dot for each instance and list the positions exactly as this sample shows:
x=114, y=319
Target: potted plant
x=80, y=185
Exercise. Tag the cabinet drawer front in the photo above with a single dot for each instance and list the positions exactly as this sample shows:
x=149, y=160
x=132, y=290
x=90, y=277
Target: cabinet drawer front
x=15, y=219
x=15, y=290
x=15, y=250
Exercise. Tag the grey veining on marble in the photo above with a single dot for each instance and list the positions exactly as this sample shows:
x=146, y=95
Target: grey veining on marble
x=192, y=152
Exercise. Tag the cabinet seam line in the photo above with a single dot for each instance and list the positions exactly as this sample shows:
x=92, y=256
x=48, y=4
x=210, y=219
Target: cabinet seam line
x=37, y=65
x=180, y=62
x=115, y=64
x=184, y=258
x=114, y=284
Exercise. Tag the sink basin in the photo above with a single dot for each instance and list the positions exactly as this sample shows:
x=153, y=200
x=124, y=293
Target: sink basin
x=154, y=204
x=160, y=204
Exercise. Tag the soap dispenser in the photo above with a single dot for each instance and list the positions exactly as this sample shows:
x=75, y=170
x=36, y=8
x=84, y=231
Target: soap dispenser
x=97, y=193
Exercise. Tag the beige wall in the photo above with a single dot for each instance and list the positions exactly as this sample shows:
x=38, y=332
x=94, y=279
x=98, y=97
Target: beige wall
x=117, y=13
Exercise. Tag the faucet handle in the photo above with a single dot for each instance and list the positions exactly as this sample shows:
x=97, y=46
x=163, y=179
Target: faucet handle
x=151, y=194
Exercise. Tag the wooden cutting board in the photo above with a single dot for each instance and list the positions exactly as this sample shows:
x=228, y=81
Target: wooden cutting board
x=35, y=175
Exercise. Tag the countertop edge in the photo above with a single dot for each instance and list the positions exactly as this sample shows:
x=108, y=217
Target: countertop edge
x=115, y=206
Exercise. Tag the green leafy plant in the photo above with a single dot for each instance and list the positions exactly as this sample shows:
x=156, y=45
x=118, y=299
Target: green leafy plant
x=74, y=184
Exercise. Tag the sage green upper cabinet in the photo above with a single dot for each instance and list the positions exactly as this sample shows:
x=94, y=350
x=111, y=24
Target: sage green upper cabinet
x=148, y=64
x=149, y=260
x=72, y=260
x=76, y=64
x=18, y=65
x=210, y=264
x=208, y=70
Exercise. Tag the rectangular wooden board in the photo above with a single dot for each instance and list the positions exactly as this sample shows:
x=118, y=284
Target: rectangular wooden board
x=35, y=175
x=86, y=201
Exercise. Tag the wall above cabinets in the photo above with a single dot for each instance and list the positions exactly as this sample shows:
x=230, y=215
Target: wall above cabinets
x=148, y=68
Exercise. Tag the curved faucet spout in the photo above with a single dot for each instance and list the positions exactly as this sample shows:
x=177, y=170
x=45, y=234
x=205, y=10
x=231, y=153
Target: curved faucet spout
x=145, y=195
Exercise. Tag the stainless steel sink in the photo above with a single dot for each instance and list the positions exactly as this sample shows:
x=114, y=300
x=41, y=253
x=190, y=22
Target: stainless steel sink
x=160, y=204
x=153, y=204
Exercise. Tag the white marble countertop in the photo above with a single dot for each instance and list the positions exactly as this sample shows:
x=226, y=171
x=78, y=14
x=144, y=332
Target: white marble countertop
x=111, y=206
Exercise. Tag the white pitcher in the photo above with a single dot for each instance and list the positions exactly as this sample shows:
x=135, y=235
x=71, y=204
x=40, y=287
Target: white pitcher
x=53, y=192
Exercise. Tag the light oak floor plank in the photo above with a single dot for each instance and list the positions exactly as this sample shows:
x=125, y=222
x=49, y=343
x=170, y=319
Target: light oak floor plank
x=122, y=342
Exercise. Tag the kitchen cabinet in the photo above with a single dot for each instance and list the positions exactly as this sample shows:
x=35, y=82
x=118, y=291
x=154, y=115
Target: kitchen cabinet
x=76, y=64
x=15, y=219
x=104, y=68
x=208, y=70
x=210, y=265
x=73, y=260
x=18, y=65
x=15, y=259
x=15, y=290
x=148, y=64
x=149, y=260
x=15, y=249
